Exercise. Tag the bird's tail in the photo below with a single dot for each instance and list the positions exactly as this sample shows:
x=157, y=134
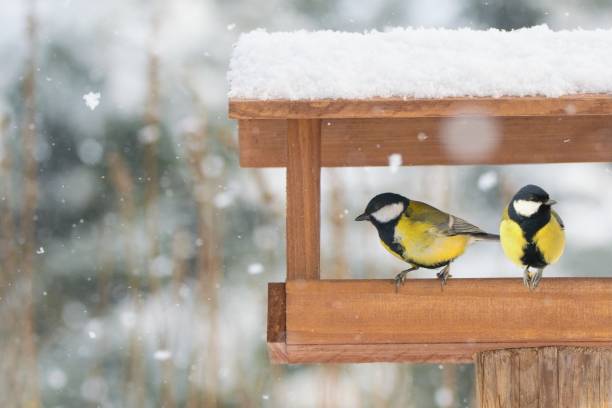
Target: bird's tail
x=486, y=236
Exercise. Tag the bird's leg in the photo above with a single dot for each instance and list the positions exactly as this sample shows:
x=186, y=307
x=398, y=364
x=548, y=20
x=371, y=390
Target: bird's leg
x=400, y=278
x=527, y=278
x=443, y=275
x=536, y=278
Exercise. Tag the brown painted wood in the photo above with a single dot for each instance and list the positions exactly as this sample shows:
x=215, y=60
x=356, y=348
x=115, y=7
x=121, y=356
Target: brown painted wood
x=361, y=312
x=277, y=332
x=263, y=143
x=595, y=104
x=429, y=141
x=432, y=353
x=567, y=377
x=303, y=198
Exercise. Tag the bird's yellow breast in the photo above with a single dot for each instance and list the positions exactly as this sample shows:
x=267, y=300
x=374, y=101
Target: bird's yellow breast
x=512, y=240
x=550, y=239
x=424, y=245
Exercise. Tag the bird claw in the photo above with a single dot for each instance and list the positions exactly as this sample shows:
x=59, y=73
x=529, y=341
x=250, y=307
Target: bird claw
x=531, y=280
x=400, y=278
x=536, y=278
x=527, y=278
x=444, y=275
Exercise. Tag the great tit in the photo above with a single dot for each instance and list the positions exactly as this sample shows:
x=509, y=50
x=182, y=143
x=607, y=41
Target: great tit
x=532, y=234
x=420, y=234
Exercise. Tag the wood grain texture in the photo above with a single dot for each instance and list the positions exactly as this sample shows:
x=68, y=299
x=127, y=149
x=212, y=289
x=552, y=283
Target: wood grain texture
x=277, y=332
x=303, y=198
x=432, y=141
x=419, y=108
x=467, y=311
x=568, y=377
x=431, y=353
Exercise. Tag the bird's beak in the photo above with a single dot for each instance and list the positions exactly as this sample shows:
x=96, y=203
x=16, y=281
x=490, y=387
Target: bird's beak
x=550, y=202
x=363, y=217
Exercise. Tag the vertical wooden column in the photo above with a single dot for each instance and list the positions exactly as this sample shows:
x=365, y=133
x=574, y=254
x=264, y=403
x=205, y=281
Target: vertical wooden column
x=566, y=377
x=303, y=198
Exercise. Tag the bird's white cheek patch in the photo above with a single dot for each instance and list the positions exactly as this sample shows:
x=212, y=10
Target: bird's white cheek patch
x=388, y=212
x=526, y=208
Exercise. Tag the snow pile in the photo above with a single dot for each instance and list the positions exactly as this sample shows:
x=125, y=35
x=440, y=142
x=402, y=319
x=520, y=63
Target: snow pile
x=420, y=63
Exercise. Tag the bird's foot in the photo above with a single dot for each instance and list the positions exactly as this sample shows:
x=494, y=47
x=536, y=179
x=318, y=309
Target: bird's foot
x=400, y=278
x=536, y=278
x=527, y=278
x=444, y=275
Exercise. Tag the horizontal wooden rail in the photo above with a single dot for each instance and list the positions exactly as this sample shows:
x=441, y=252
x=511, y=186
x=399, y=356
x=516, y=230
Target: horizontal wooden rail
x=367, y=321
x=427, y=141
x=590, y=104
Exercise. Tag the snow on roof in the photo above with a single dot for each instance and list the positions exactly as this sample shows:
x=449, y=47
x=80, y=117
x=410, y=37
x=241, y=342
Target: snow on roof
x=420, y=63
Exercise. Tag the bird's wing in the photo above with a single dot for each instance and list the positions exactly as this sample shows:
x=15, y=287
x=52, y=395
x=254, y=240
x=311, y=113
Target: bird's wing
x=458, y=226
x=442, y=223
x=558, y=218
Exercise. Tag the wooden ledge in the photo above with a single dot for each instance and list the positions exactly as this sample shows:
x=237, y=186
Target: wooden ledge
x=585, y=104
x=353, y=321
x=432, y=141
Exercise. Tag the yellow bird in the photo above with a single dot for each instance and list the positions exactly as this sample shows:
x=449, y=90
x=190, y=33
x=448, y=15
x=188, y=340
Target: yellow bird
x=420, y=234
x=532, y=234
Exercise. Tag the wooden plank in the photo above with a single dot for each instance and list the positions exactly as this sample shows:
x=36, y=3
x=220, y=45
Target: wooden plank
x=431, y=141
x=594, y=104
x=277, y=332
x=431, y=353
x=547, y=377
x=303, y=198
x=579, y=373
x=467, y=311
x=263, y=143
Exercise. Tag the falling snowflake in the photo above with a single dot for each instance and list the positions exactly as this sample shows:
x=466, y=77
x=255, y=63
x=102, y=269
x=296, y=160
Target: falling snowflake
x=92, y=100
x=487, y=180
x=40, y=251
x=230, y=27
x=395, y=161
x=162, y=355
x=92, y=334
x=255, y=268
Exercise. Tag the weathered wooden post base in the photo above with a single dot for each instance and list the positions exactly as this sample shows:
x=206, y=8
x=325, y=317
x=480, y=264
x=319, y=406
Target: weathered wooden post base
x=546, y=377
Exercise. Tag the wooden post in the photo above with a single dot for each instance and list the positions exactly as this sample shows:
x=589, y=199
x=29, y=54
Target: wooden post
x=567, y=377
x=303, y=198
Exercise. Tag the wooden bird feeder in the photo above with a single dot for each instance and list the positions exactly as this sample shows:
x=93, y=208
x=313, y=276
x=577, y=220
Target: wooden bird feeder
x=547, y=346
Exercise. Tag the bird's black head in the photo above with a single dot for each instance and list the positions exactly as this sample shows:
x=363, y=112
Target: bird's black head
x=384, y=208
x=530, y=201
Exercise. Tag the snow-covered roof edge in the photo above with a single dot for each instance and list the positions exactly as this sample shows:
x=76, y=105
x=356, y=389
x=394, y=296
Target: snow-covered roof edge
x=420, y=63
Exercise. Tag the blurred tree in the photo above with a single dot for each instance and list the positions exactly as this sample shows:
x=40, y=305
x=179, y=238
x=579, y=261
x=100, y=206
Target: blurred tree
x=504, y=14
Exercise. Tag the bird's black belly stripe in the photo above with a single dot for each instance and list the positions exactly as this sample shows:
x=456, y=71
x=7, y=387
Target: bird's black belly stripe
x=532, y=256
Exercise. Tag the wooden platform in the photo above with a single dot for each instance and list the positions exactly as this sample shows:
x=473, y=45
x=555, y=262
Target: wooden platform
x=356, y=321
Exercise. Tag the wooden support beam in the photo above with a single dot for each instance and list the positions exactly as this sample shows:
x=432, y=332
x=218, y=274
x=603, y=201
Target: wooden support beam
x=593, y=104
x=277, y=331
x=367, y=321
x=434, y=141
x=303, y=198
x=567, y=377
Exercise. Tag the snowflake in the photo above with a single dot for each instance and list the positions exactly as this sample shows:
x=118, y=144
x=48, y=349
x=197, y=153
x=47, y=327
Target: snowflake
x=92, y=100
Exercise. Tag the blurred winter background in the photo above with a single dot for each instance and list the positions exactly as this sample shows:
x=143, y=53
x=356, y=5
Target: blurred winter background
x=135, y=252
